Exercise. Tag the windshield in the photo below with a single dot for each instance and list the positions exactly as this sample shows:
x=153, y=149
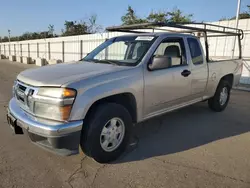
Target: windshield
x=124, y=50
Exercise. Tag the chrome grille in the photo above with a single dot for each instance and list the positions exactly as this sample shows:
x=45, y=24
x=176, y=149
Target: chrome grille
x=24, y=95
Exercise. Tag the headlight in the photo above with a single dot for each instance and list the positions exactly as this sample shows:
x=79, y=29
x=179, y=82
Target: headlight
x=54, y=103
x=56, y=92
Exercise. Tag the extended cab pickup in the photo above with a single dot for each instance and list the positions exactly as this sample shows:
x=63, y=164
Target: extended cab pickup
x=96, y=101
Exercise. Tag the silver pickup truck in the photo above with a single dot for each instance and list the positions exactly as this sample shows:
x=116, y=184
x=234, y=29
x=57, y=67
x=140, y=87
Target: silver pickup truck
x=94, y=103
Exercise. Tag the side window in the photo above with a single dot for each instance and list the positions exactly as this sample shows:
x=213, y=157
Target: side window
x=195, y=51
x=174, y=48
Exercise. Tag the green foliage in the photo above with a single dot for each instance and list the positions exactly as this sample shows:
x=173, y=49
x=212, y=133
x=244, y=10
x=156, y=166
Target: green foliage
x=29, y=36
x=243, y=15
x=93, y=27
x=5, y=39
x=75, y=28
x=51, y=29
x=70, y=28
x=81, y=27
x=131, y=18
x=157, y=17
x=175, y=15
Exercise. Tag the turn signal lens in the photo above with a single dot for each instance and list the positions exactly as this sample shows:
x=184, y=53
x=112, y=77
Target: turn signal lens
x=65, y=112
x=68, y=93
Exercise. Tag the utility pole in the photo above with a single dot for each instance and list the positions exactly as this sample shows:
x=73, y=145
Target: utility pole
x=236, y=25
x=9, y=41
x=9, y=34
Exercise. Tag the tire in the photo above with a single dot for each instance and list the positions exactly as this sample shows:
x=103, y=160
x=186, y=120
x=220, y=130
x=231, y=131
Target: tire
x=216, y=103
x=101, y=117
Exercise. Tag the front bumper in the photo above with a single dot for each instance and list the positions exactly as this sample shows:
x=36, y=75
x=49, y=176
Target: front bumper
x=62, y=138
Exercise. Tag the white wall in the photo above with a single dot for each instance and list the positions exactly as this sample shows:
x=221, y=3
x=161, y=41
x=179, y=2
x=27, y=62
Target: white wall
x=222, y=46
x=53, y=48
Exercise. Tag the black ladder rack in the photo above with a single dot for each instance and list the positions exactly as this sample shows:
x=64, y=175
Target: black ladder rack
x=208, y=30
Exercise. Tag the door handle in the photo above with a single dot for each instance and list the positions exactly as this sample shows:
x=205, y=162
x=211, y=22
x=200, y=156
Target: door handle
x=186, y=73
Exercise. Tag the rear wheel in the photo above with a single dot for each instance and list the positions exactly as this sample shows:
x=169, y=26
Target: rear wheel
x=107, y=132
x=222, y=95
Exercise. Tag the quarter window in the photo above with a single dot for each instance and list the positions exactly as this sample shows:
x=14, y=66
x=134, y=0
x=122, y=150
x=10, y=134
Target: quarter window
x=195, y=51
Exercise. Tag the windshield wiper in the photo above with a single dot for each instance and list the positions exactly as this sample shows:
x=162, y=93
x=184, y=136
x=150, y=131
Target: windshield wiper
x=105, y=61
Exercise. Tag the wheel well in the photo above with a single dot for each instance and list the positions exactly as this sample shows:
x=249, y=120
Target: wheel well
x=125, y=99
x=229, y=78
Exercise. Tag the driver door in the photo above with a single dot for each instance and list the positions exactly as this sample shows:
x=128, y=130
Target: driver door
x=167, y=88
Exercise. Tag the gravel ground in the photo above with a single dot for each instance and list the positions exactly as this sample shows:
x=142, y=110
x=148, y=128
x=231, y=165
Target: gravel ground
x=191, y=147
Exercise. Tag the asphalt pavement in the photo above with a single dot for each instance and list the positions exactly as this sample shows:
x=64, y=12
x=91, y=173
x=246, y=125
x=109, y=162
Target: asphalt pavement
x=191, y=147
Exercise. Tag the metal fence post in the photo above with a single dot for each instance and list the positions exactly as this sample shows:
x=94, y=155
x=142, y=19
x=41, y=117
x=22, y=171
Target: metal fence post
x=21, y=51
x=28, y=49
x=63, y=51
x=0, y=49
x=106, y=51
x=81, y=42
x=4, y=49
x=49, y=50
x=37, y=49
x=9, y=50
x=15, y=49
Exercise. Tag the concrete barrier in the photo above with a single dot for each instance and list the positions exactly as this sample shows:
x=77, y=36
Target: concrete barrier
x=19, y=59
x=54, y=61
x=12, y=58
x=27, y=60
x=2, y=56
x=41, y=62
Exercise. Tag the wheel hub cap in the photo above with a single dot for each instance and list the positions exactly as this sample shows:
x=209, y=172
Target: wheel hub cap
x=112, y=134
x=223, y=96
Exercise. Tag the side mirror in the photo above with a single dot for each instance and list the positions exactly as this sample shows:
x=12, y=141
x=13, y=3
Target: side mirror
x=160, y=62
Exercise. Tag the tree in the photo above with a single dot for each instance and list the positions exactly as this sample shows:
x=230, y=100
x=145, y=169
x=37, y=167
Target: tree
x=51, y=29
x=131, y=18
x=26, y=36
x=177, y=16
x=243, y=15
x=75, y=28
x=161, y=16
x=93, y=27
x=5, y=39
x=69, y=26
x=158, y=17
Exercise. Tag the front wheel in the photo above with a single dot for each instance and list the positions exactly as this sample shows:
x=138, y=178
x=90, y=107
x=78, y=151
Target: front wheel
x=221, y=98
x=107, y=132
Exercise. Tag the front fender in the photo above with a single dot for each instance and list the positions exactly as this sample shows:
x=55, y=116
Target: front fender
x=98, y=88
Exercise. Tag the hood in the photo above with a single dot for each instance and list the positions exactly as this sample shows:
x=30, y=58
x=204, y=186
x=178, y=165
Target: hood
x=57, y=75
